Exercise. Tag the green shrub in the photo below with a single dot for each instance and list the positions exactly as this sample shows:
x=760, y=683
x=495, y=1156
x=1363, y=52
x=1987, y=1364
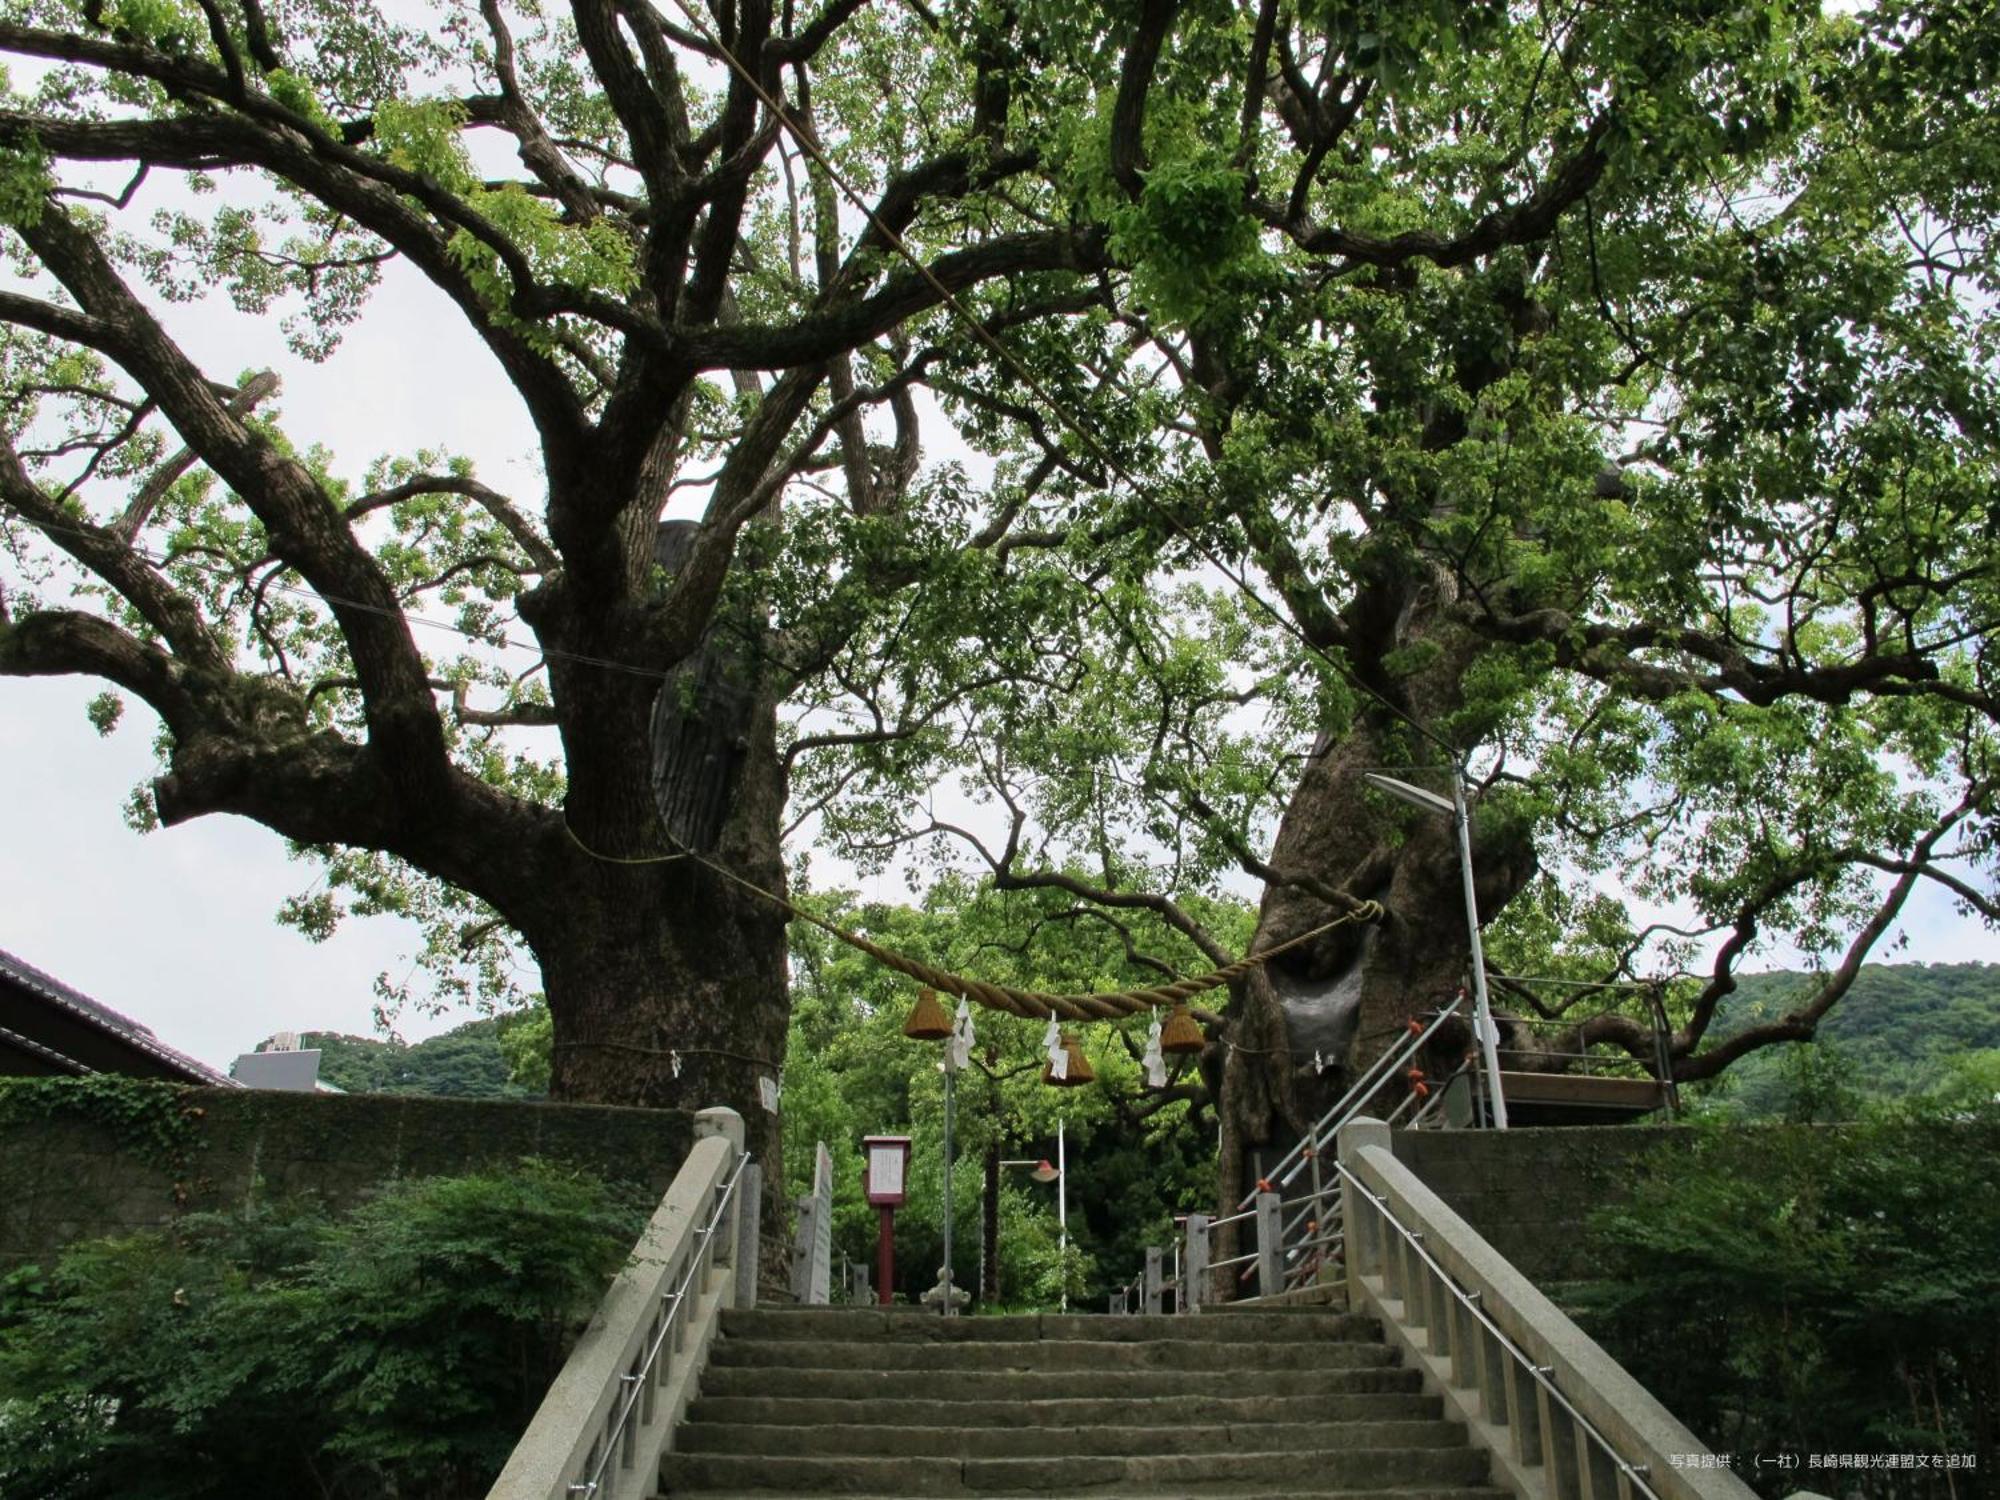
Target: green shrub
x=1828, y=1290
x=398, y=1350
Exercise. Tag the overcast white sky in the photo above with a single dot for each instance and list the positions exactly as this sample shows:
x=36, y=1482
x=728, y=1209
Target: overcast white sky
x=175, y=928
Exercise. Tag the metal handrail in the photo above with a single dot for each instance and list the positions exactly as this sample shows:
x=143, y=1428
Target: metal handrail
x=1294, y=1161
x=635, y=1381
x=1635, y=1473
x=1391, y=1059
x=1353, y=1101
x=1313, y=1207
x=1431, y=1105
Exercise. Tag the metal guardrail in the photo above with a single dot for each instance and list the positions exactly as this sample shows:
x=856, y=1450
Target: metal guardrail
x=1308, y=1228
x=1559, y=1416
x=611, y=1411
x=1393, y=1057
x=1288, y=1250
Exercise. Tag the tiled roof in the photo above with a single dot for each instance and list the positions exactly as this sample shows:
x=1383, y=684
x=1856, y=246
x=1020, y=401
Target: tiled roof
x=104, y=1018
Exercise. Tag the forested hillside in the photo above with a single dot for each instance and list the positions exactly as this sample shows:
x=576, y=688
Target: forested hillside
x=1895, y=1034
x=465, y=1062
x=1902, y=1030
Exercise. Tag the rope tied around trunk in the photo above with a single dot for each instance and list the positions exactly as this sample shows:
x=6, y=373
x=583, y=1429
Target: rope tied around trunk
x=1093, y=1007
x=1034, y=1004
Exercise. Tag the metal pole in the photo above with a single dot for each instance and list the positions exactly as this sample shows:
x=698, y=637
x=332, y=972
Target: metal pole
x=1062, y=1211
x=950, y=1074
x=885, y=1257
x=1482, y=1008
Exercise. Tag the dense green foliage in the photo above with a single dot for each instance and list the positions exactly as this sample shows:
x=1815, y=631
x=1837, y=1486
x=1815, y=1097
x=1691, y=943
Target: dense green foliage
x=1135, y=1158
x=467, y=1062
x=277, y=1351
x=1137, y=421
x=1822, y=1291
x=1905, y=1030
x=153, y=1120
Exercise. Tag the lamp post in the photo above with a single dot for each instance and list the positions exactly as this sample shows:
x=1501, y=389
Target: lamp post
x=1059, y=1175
x=1482, y=1010
x=950, y=1068
x=1062, y=1216
x=928, y=1023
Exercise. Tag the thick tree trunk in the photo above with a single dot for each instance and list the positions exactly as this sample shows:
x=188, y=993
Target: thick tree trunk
x=1302, y=1028
x=667, y=990
x=662, y=942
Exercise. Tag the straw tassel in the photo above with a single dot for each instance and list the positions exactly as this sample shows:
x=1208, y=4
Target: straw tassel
x=1076, y=1070
x=1181, y=1034
x=927, y=1022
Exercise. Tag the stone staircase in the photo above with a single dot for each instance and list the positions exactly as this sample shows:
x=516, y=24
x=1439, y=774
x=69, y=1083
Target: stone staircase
x=863, y=1402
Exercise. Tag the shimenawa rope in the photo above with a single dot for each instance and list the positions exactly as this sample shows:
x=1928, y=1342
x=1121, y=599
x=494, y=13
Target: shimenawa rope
x=1032, y=1003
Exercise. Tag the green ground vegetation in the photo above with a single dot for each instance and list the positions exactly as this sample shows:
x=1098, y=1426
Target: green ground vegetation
x=277, y=1350
x=1823, y=1291
x=1905, y=1031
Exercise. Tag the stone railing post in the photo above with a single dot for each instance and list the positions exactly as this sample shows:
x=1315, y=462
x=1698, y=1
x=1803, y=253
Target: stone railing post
x=749, y=1233
x=1194, y=1265
x=1270, y=1245
x=720, y=1120
x=1357, y=1217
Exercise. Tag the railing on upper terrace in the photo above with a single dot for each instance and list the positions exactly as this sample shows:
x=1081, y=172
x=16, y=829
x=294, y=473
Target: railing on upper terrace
x=1559, y=1067
x=1295, y=1235
x=608, y=1417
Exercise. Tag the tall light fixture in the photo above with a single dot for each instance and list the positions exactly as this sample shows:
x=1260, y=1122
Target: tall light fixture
x=957, y=1054
x=1043, y=1171
x=1482, y=1015
x=928, y=1023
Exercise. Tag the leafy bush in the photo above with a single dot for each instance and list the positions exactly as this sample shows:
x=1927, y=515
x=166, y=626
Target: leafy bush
x=398, y=1350
x=1820, y=1290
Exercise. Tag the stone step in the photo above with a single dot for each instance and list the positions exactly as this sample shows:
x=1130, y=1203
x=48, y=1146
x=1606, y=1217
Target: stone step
x=825, y=1441
x=1272, y=1473
x=1317, y=1297
x=1401, y=1405
x=1005, y=1385
x=1206, y=1492
x=1047, y=1354
x=897, y=1325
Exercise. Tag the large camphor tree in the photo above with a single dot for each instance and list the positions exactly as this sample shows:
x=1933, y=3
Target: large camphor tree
x=1601, y=397
x=1602, y=400
x=686, y=294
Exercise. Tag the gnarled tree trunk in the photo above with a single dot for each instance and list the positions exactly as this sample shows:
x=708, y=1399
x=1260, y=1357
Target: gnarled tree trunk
x=1303, y=1028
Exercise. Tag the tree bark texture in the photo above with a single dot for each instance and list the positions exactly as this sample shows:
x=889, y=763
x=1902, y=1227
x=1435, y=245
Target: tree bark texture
x=667, y=981
x=1303, y=1027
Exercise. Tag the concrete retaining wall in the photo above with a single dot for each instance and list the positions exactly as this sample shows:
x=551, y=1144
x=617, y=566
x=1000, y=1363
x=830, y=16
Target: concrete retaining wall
x=65, y=1177
x=1530, y=1191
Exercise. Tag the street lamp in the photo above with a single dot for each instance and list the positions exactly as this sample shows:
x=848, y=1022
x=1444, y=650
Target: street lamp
x=928, y=1023
x=1482, y=1021
x=1059, y=1175
x=953, y=1061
